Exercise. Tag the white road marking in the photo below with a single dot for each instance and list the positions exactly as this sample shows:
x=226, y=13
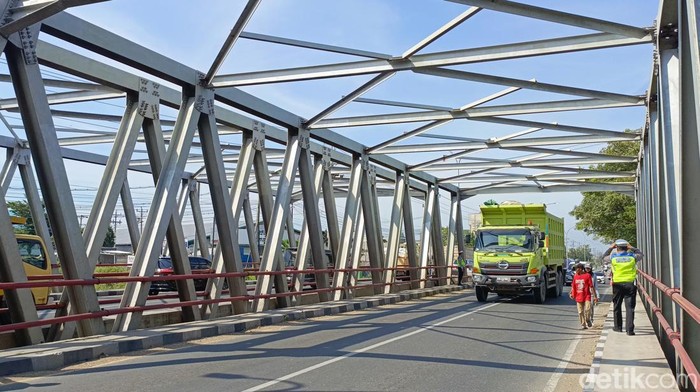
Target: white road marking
x=559, y=371
x=362, y=350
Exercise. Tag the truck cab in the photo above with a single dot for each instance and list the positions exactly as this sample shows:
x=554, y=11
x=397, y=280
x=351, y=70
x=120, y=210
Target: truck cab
x=514, y=252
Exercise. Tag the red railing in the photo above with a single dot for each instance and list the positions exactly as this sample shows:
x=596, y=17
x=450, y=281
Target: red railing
x=116, y=278
x=673, y=336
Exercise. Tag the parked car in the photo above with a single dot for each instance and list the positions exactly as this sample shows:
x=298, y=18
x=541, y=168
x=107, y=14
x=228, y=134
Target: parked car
x=600, y=277
x=569, y=277
x=165, y=267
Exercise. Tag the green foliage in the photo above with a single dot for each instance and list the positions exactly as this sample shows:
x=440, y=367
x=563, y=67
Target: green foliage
x=110, y=269
x=110, y=238
x=490, y=202
x=610, y=215
x=445, y=237
x=581, y=253
x=21, y=209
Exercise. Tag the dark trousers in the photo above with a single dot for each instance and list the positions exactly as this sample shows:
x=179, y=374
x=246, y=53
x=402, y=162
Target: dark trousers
x=626, y=292
x=460, y=275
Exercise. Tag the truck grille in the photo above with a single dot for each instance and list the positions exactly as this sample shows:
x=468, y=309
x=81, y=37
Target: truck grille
x=512, y=269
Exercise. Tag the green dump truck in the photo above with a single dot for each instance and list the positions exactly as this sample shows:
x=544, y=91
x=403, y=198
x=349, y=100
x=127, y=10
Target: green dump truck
x=519, y=249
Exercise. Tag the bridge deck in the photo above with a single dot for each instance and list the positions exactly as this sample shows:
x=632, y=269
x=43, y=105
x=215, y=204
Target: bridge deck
x=446, y=342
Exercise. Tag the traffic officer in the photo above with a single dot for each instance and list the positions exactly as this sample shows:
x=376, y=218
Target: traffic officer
x=623, y=259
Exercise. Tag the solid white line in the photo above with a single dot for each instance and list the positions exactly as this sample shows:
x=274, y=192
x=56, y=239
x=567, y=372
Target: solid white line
x=362, y=350
x=554, y=380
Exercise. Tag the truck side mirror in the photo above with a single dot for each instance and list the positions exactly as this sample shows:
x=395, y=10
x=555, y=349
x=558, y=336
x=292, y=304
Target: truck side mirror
x=542, y=235
x=541, y=244
x=467, y=238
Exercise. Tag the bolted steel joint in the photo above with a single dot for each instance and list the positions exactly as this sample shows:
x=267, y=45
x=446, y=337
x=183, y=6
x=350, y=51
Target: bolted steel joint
x=326, y=158
x=204, y=96
x=149, y=99
x=669, y=34
x=304, y=139
x=258, y=129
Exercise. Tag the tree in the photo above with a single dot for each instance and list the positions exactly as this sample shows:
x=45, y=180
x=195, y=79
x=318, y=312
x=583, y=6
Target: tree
x=110, y=238
x=581, y=253
x=610, y=215
x=21, y=209
x=446, y=235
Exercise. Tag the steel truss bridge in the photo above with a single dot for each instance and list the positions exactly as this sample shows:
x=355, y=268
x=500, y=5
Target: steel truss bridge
x=249, y=152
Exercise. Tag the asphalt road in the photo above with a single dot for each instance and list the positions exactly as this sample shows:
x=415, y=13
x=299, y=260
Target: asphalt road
x=442, y=343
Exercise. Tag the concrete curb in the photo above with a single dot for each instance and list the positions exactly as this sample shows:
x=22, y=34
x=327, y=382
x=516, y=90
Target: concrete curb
x=55, y=355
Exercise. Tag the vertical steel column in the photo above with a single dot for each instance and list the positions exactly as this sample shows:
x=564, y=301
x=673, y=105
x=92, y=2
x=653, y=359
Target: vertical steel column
x=272, y=254
x=111, y=185
x=658, y=243
x=690, y=153
x=372, y=230
x=40, y=130
x=410, y=233
x=253, y=141
x=452, y=237
x=352, y=206
x=200, y=232
x=333, y=233
x=393, y=242
x=439, y=250
x=162, y=215
x=669, y=101
x=356, y=252
x=226, y=221
x=132, y=222
x=426, y=234
x=310, y=186
x=459, y=227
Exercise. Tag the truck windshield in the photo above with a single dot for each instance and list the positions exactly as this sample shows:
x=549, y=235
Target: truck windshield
x=505, y=240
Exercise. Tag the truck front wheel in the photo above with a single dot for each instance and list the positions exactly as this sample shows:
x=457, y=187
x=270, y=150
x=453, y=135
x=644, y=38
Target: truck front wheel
x=539, y=294
x=481, y=293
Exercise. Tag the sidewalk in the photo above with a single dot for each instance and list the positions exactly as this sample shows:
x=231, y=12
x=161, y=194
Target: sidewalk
x=630, y=363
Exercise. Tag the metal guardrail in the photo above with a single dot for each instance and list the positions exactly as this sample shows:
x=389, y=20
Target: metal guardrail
x=674, y=337
x=124, y=279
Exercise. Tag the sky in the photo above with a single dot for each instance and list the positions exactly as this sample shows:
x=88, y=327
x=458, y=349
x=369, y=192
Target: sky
x=193, y=33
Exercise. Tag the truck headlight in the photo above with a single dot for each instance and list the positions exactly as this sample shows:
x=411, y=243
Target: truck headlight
x=531, y=279
x=478, y=278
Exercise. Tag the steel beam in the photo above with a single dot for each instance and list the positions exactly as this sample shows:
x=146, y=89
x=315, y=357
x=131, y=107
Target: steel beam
x=162, y=215
x=524, y=142
x=231, y=39
x=438, y=250
x=690, y=161
x=373, y=229
x=426, y=235
x=393, y=241
x=53, y=179
x=438, y=59
x=409, y=232
x=311, y=181
x=272, y=254
x=566, y=18
x=226, y=220
x=528, y=84
x=352, y=205
x=490, y=111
